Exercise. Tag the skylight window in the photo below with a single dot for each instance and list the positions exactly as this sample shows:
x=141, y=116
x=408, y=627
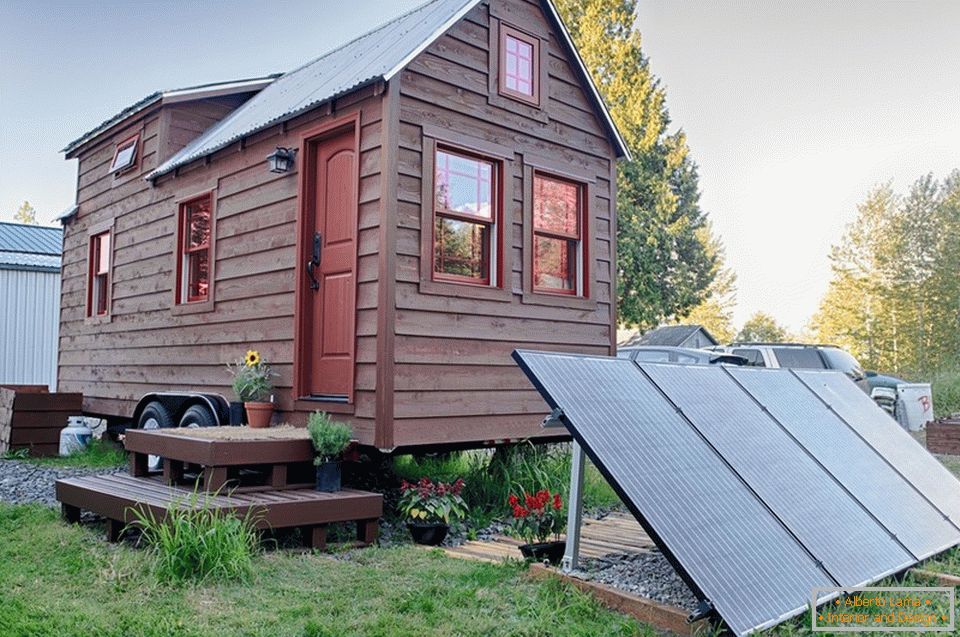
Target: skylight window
x=125, y=155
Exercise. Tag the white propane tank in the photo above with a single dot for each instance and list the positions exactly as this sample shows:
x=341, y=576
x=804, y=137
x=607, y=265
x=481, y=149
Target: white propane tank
x=75, y=436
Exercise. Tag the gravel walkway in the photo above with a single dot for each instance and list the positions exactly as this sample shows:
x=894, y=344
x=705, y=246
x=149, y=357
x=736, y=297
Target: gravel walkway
x=23, y=482
x=648, y=575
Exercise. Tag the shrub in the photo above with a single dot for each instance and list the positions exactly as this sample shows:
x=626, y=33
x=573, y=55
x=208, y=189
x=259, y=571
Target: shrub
x=199, y=542
x=946, y=393
x=252, y=378
x=330, y=438
x=432, y=502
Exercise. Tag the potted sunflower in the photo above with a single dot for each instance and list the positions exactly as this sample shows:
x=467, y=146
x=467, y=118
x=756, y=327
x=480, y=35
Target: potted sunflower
x=536, y=518
x=330, y=439
x=253, y=384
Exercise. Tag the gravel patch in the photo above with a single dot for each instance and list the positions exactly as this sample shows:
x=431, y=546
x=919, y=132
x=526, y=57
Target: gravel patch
x=647, y=574
x=25, y=482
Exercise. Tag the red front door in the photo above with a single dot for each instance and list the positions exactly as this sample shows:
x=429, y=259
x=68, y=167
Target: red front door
x=330, y=252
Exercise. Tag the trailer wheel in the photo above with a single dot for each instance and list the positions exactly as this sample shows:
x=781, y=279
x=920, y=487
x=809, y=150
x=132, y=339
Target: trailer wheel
x=197, y=416
x=155, y=416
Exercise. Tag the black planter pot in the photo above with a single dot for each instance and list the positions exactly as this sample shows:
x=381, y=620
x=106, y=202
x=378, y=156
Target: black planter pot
x=550, y=551
x=237, y=414
x=328, y=477
x=430, y=534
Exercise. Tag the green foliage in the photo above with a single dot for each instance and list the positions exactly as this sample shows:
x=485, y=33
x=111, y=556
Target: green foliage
x=946, y=393
x=715, y=312
x=252, y=382
x=894, y=300
x=26, y=214
x=199, y=542
x=665, y=264
x=98, y=454
x=330, y=438
x=494, y=475
x=536, y=517
x=761, y=328
x=432, y=502
x=60, y=579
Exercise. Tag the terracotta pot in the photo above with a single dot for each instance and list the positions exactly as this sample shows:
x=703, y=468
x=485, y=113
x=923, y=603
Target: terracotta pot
x=549, y=551
x=259, y=414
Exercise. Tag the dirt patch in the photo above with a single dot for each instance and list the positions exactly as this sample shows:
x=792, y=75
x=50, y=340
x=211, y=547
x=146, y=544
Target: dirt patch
x=282, y=432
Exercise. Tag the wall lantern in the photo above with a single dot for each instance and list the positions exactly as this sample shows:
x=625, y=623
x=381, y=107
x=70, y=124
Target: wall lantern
x=282, y=159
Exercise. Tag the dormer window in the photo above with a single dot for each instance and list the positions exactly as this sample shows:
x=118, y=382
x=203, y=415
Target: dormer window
x=125, y=155
x=519, y=65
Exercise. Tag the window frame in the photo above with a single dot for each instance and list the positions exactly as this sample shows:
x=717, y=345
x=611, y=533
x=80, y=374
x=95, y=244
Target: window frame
x=134, y=163
x=94, y=233
x=180, y=304
x=580, y=289
x=492, y=275
x=507, y=31
x=501, y=19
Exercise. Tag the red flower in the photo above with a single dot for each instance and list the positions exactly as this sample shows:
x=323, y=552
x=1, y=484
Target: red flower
x=404, y=485
x=519, y=512
x=531, y=501
x=557, y=502
x=457, y=486
x=513, y=500
x=425, y=482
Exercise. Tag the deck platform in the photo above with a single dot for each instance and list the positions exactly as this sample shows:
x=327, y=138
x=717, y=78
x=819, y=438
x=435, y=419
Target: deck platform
x=116, y=497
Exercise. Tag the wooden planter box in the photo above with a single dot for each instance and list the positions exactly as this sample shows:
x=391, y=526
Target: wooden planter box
x=31, y=418
x=943, y=436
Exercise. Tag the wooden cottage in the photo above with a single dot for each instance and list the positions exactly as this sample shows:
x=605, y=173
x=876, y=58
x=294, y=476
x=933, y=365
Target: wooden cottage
x=440, y=191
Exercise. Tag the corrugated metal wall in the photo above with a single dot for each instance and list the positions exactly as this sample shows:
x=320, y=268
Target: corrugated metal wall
x=29, y=327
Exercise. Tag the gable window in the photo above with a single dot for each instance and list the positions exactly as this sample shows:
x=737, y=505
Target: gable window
x=193, y=274
x=98, y=282
x=465, y=217
x=125, y=155
x=519, y=65
x=557, y=235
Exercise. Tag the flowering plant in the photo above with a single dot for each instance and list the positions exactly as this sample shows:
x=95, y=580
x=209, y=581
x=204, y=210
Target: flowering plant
x=536, y=516
x=252, y=378
x=432, y=502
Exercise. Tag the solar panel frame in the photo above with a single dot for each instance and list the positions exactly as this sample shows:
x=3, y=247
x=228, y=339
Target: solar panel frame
x=820, y=513
x=793, y=558
x=851, y=460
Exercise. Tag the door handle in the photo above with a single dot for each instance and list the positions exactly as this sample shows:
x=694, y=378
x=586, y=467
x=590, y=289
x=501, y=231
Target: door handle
x=314, y=263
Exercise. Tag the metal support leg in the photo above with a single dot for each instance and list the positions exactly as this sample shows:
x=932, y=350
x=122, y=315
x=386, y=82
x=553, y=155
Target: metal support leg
x=574, y=508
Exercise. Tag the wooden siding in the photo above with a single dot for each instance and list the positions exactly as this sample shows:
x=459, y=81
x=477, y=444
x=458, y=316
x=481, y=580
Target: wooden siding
x=455, y=381
x=144, y=347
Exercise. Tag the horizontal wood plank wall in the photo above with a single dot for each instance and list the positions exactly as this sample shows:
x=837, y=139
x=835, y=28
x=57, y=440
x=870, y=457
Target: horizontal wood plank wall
x=455, y=381
x=144, y=347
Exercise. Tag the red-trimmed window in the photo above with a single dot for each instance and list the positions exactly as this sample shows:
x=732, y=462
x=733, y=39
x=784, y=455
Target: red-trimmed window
x=194, y=269
x=98, y=284
x=465, y=216
x=519, y=65
x=125, y=155
x=557, y=235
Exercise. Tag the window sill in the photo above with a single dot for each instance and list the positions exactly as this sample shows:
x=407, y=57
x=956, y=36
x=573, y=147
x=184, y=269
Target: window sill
x=192, y=308
x=100, y=319
x=559, y=300
x=308, y=404
x=465, y=290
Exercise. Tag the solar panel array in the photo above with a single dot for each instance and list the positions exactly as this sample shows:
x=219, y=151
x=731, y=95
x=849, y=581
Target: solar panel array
x=759, y=485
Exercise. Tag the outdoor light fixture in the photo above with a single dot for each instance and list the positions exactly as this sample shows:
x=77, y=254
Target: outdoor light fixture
x=281, y=160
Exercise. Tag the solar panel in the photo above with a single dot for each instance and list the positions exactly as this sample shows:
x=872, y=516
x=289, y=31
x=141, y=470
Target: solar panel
x=759, y=485
x=940, y=487
x=692, y=503
x=896, y=503
x=810, y=502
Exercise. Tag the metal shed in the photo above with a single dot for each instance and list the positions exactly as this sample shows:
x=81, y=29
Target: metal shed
x=30, y=258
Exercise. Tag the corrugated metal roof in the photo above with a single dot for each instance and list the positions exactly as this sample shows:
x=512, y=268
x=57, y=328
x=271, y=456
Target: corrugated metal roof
x=18, y=237
x=668, y=335
x=27, y=261
x=250, y=84
x=376, y=55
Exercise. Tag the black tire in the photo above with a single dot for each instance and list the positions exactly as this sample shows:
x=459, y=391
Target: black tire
x=155, y=416
x=197, y=416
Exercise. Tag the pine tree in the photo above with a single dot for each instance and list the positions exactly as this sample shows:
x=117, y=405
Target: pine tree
x=26, y=214
x=762, y=328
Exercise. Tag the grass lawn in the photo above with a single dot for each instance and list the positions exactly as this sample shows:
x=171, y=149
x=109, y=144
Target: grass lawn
x=99, y=454
x=59, y=579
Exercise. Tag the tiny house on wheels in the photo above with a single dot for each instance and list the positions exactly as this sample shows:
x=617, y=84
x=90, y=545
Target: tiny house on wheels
x=385, y=224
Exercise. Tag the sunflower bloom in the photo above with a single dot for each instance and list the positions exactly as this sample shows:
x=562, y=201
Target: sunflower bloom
x=252, y=358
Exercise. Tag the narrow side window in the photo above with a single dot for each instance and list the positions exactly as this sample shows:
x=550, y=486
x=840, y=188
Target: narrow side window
x=98, y=282
x=193, y=269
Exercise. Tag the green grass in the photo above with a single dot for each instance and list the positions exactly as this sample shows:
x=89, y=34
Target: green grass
x=491, y=476
x=946, y=393
x=63, y=580
x=100, y=454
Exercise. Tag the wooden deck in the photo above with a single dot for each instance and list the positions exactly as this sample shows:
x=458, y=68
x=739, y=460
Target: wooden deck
x=117, y=496
x=616, y=533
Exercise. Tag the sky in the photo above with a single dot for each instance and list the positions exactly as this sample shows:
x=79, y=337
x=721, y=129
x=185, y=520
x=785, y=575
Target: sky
x=793, y=110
